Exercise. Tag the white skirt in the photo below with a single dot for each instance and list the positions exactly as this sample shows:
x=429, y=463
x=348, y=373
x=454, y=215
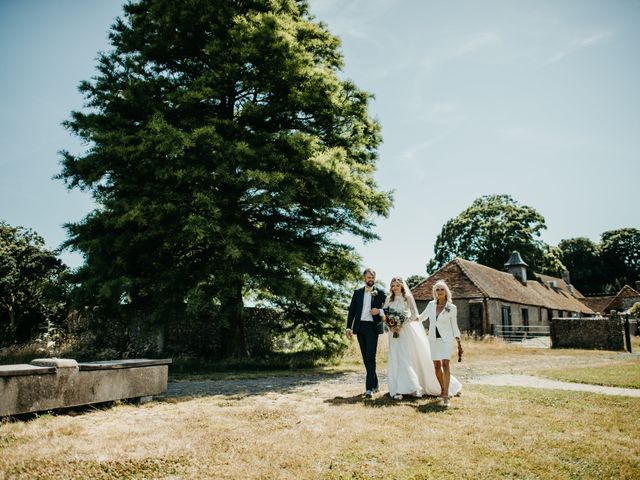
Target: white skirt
x=410, y=368
x=441, y=349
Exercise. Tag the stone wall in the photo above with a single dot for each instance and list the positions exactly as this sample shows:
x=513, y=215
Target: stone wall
x=589, y=333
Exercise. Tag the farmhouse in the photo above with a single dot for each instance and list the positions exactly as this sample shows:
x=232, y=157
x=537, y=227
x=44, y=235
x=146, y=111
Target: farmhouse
x=487, y=298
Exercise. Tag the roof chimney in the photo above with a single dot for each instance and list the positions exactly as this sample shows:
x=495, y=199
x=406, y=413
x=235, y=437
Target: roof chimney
x=566, y=278
x=517, y=267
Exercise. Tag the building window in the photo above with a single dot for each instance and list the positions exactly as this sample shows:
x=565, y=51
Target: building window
x=525, y=317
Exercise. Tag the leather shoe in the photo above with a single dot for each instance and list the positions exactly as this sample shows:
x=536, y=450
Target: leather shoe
x=368, y=394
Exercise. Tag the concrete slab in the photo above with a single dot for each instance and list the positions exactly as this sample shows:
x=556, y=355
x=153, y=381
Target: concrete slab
x=70, y=384
x=24, y=369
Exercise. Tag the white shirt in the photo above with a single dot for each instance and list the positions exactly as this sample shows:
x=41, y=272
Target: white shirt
x=366, y=308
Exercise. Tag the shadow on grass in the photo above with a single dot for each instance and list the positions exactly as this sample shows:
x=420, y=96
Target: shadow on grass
x=276, y=363
x=243, y=387
x=385, y=401
x=76, y=411
x=434, y=406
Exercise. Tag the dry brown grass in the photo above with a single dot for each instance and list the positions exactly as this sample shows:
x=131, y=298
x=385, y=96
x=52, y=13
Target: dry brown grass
x=325, y=430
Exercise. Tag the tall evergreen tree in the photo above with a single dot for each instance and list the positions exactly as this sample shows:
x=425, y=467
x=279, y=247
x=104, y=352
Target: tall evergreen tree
x=226, y=157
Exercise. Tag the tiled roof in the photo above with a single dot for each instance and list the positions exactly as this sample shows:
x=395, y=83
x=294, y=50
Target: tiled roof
x=471, y=280
x=460, y=284
x=598, y=304
x=561, y=284
x=605, y=303
x=626, y=293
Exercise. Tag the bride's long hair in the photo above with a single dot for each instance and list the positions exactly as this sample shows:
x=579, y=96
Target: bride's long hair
x=400, y=282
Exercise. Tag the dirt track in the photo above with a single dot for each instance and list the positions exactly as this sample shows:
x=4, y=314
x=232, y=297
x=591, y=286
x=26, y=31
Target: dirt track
x=518, y=372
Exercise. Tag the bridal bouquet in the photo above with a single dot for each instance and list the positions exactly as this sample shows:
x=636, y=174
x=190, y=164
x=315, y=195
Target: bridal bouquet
x=394, y=318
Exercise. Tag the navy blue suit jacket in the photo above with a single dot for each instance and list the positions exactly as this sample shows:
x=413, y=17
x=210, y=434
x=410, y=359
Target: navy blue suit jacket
x=355, y=308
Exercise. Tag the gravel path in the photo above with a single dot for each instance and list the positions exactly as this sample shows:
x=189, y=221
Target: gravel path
x=341, y=381
x=529, y=381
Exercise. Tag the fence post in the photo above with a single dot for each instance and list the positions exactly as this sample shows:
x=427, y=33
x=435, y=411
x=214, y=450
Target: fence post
x=627, y=333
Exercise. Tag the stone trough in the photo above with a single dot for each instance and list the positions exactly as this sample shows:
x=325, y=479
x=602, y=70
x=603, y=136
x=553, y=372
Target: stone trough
x=52, y=383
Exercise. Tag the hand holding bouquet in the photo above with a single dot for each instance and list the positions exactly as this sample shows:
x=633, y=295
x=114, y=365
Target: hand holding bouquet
x=394, y=320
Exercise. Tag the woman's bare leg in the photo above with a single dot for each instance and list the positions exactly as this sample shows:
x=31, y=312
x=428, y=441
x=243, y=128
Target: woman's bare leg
x=446, y=377
x=437, y=364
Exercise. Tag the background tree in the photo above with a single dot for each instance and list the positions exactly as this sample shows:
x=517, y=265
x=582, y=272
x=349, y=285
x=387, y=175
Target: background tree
x=414, y=280
x=33, y=287
x=620, y=252
x=488, y=231
x=551, y=262
x=226, y=156
x=582, y=258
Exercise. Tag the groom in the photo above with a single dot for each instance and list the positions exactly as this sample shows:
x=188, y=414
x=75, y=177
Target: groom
x=365, y=321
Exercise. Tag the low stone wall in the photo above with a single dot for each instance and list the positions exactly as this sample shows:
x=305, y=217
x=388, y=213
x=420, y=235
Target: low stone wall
x=51, y=383
x=588, y=333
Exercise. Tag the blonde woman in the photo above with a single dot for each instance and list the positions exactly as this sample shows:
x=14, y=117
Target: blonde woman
x=410, y=369
x=443, y=329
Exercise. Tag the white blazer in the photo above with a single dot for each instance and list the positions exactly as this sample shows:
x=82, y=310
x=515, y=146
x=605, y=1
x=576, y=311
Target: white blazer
x=447, y=321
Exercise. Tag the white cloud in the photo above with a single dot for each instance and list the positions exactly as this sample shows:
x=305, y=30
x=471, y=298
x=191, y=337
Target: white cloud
x=446, y=114
x=475, y=43
x=352, y=18
x=462, y=48
x=416, y=151
x=579, y=44
x=542, y=139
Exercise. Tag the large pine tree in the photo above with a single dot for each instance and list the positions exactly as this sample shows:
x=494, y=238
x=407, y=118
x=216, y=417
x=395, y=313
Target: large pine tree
x=227, y=157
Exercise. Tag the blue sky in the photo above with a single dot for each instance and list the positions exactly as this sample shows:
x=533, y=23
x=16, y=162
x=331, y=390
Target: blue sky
x=536, y=99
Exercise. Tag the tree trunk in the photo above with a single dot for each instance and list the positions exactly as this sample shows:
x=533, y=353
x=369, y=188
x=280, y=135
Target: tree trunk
x=234, y=343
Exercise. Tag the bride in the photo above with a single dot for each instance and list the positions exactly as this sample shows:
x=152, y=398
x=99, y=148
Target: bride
x=410, y=370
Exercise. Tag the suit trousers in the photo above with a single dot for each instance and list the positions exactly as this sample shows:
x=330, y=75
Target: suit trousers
x=368, y=341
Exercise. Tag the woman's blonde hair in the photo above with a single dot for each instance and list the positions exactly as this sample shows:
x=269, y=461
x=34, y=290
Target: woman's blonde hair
x=401, y=283
x=441, y=284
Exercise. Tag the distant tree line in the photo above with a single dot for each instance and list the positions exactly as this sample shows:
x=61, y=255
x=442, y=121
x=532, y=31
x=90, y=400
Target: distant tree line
x=495, y=225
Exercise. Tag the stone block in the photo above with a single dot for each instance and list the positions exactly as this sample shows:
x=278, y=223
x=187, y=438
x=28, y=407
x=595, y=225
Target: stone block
x=53, y=383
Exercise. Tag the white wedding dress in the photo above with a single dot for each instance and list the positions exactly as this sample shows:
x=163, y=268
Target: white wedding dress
x=410, y=369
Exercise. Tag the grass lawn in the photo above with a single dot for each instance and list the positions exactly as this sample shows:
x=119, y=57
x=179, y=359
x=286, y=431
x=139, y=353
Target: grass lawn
x=625, y=374
x=326, y=431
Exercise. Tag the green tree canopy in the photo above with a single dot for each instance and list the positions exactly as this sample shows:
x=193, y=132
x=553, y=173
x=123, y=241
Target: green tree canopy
x=620, y=251
x=226, y=156
x=582, y=258
x=603, y=267
x=488, y=231
x=33, y=287
x=414, y=280
x=551, y=262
